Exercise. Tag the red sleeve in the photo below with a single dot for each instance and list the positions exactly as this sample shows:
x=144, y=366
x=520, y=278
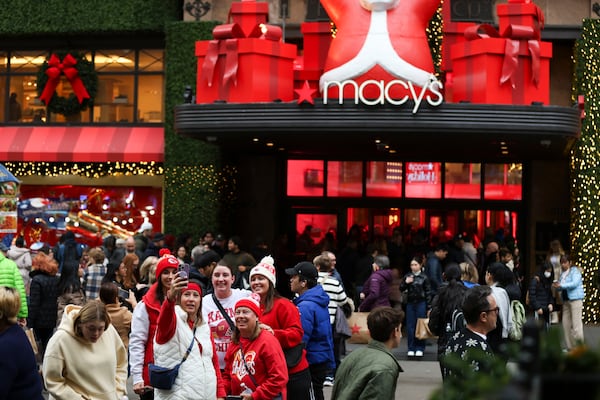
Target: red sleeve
x=288, y=329
x=220, y=382
x=167, y=322
x=275, y=376
x=226, y=375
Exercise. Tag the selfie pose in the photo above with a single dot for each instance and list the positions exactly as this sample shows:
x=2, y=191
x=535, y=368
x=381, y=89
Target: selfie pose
x=179, y=324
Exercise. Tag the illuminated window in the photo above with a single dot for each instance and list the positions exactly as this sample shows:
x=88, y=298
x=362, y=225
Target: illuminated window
x=503, y=181
x=463, y=181
x=344, y=178
x=384, y=179
x=305, y=177
x=423, y=180
x=130, y=87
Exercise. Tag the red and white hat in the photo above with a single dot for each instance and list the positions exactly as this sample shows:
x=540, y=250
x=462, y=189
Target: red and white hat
x=252, y=302
x=265, y=267
x=168, y=261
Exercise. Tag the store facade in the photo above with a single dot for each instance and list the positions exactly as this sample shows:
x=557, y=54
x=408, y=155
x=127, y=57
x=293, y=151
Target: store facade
x=382, y=161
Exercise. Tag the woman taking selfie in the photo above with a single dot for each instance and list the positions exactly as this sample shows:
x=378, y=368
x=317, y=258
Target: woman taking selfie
x=179, y=324
x=143, y=326
x=254, y=364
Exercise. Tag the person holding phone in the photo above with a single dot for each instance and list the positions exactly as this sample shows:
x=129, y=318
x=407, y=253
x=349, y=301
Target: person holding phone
x=180, y=322
x=144, y=323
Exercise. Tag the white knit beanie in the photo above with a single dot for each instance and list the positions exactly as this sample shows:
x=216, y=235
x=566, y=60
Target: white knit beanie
x=266, y=268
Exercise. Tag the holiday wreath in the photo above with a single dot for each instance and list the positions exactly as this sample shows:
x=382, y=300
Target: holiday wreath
x=78, y=71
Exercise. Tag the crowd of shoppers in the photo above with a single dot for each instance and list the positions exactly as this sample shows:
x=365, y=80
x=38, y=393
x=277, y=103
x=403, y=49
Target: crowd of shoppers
x=123, y=307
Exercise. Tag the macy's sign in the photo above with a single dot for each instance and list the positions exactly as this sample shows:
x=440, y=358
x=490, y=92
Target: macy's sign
x=430, y=92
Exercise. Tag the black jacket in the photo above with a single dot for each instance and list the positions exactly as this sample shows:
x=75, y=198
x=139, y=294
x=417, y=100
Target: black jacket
x=448, y=298
x=42, y=300
x=419, y=289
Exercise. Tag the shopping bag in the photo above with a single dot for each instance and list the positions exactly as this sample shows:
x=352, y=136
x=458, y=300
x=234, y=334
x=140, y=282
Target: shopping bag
x=422, y=330
x=32, y=340
x=358, y=328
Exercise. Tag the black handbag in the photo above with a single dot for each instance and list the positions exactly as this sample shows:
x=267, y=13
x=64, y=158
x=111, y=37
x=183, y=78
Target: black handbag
x=164, y=378
x=293, y=355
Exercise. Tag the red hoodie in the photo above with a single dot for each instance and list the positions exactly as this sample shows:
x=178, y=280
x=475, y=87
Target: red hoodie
x=266, y=363
x=284, y=319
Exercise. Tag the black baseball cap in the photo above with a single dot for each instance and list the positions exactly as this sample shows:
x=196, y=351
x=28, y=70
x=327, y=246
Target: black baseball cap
x=304, y=268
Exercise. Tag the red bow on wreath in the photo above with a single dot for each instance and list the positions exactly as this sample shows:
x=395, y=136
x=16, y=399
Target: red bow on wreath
x=54, y=71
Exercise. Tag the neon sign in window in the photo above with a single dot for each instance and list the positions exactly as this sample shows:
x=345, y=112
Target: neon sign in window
x=423, y=180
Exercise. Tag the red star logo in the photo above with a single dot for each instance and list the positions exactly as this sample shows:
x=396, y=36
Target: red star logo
x=355, y=329
x=305, y=94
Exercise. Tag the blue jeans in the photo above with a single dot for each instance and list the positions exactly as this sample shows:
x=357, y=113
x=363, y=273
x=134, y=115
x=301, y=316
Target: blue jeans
x=414, y=311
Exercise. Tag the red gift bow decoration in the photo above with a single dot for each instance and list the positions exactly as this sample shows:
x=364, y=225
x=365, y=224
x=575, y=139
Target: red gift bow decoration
x=231, y=33
x=514, y=34
x=66, y=67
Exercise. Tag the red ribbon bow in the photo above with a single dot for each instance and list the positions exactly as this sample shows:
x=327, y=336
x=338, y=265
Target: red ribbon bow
x=514, y=34
x=67, y=67
x=230, y=33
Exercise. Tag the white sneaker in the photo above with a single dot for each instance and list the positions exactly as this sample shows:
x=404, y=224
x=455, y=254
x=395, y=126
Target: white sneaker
x=328, y=381
x=412, y=353
x=419, y=353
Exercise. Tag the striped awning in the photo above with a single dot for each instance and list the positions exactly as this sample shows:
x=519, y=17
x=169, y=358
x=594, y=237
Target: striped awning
x=82, y=143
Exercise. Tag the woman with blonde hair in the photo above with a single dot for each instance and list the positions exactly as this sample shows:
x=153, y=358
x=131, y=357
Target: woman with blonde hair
x=85, y=357
x=468, y=274
x=147, y=271
x=20, y=378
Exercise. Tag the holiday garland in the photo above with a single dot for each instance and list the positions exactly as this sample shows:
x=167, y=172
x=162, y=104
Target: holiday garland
x=78, y=71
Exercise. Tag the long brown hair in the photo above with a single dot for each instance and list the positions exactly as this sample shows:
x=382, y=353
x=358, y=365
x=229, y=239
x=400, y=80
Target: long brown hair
x=129, y=281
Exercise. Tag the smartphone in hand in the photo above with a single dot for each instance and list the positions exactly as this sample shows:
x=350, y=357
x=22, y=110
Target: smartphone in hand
x=123, y=293
x=184, y=270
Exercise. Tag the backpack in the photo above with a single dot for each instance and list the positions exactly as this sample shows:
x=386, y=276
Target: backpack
x=518, y=320
x=458, y=321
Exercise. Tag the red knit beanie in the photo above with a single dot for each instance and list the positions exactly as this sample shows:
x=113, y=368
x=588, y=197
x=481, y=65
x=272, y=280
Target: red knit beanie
x=165, y=262
x=252, y=302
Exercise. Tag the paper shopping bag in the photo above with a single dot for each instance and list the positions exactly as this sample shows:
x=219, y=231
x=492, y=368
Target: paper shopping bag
x=358, y=327
x=422, y=330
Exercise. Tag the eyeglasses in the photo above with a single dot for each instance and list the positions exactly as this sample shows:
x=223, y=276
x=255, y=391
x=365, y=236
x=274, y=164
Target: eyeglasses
x=496, y=310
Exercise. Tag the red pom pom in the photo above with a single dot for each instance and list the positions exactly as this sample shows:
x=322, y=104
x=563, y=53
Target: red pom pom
x=163, y=252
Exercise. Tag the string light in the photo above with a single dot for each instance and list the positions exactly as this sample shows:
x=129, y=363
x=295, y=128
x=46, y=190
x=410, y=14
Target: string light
x=585, y=169
x=88, y=170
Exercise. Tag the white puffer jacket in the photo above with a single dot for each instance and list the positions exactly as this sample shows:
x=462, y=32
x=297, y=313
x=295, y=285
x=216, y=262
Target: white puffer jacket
x=197, y=378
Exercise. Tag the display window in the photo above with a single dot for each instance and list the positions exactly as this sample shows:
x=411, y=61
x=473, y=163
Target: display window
x=503, y=182
x=462, y=181
x=384, y=179
x=344, y=178
x=305, y=177
x=423, y=180
x=46, y=212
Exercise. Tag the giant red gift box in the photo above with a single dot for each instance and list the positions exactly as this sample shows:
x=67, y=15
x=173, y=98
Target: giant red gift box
x=521, y=13
x=477, y=71
x=264, y=71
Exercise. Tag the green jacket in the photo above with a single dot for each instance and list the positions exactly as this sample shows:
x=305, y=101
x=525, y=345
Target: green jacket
x=11, y=277
x=367, y=373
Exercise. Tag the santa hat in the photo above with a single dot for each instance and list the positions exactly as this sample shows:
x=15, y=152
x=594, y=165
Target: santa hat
x=165, y=262
x=192, y=286
x=252, y=302
x=266, y=268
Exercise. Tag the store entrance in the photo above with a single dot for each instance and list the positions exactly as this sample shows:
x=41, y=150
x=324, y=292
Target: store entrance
x=317, y=230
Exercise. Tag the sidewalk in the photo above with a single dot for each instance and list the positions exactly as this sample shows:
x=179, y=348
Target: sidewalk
x=421, y=378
